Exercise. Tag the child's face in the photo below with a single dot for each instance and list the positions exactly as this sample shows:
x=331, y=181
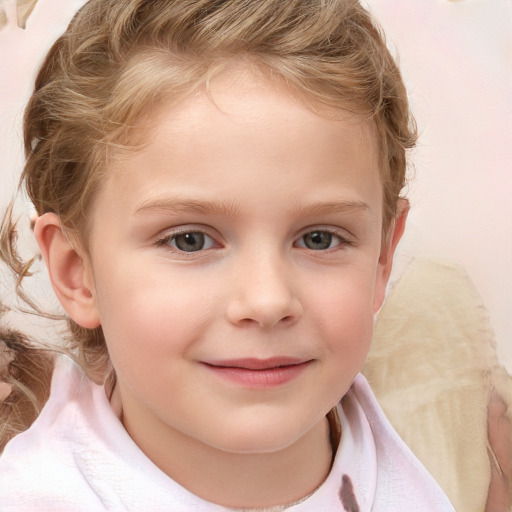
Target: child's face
x=245, y=236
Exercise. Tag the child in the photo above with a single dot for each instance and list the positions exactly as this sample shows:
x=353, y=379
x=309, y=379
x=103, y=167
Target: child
x=217, y=187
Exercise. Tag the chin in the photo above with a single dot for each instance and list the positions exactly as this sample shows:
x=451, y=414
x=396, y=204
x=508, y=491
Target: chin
x=258, y=438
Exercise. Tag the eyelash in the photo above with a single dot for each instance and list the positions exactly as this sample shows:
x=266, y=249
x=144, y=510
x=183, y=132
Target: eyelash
x=343, y=241
x=165, y=241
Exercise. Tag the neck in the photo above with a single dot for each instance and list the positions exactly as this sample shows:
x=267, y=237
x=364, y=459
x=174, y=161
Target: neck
x=242, y=480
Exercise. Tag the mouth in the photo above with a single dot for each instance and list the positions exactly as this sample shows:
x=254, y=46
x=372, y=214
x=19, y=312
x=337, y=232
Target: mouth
x=259, y=373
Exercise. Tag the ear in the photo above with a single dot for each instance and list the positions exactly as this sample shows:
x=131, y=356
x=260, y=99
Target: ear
x=393, y=236
x=69, y=273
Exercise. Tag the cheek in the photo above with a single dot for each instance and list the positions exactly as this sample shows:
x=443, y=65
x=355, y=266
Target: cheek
x=345, y=317
x=146, y=318
x=343, y=328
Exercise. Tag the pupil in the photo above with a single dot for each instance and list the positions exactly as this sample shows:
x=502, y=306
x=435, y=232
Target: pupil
x=190, y=242
x=318, y=240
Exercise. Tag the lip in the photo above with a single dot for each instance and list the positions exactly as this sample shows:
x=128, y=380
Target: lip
x=259, y=373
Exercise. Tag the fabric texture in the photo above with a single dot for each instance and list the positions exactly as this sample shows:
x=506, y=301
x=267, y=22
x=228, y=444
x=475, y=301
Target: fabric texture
x=77, y=456
x=434, y=370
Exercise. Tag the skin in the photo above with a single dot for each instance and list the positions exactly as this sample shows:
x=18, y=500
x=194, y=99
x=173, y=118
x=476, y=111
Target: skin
x=257, y=173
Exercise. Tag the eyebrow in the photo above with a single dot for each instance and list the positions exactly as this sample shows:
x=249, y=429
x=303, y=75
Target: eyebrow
x=330, y=207
x=173, y=206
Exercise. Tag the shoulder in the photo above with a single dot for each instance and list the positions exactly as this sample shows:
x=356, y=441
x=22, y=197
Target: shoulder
x=39, y=467
x=33, y=477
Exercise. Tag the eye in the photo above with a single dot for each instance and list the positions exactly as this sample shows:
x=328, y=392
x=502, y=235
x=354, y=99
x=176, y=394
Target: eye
x=190, y=241
x=320, y=240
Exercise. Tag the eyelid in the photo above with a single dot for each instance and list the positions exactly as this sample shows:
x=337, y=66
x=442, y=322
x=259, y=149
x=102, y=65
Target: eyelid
x=342, y=233
x=163, y=240
x=345, y=237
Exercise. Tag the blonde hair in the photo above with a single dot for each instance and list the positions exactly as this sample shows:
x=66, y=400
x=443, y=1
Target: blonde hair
x=118, y=60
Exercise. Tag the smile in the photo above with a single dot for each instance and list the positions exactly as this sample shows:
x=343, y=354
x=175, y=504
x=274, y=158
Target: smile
x=259, y=373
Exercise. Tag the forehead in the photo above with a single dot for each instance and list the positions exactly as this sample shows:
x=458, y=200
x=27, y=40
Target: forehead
x=245, y=93
x=237, y=133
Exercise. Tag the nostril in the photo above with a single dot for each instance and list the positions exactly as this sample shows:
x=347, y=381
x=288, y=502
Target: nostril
x=247, y=322
x=264, y=320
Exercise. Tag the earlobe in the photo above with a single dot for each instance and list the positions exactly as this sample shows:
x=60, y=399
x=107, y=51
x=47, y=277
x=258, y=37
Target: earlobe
x=67, y=270
x=385, y=265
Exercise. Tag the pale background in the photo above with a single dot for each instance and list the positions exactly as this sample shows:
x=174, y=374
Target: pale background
x=456, y=57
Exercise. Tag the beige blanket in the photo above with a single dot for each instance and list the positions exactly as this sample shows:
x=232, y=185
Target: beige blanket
x=434, y=369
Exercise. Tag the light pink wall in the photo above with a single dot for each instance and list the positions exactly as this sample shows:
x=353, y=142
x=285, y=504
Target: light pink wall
x=457, y=60
x=21, y=52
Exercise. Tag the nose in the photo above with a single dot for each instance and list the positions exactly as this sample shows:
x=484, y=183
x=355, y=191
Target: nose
x=263, y=293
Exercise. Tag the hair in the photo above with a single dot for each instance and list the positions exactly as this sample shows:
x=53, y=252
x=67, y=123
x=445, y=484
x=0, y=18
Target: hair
x=117, y=61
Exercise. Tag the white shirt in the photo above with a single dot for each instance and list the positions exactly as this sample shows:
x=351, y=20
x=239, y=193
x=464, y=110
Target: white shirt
x=77, y=457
